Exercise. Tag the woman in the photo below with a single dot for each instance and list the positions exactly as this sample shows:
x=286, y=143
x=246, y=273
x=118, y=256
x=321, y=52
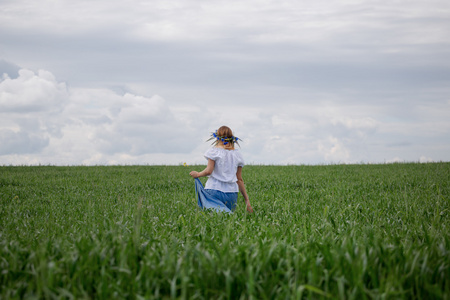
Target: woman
x=225, y=174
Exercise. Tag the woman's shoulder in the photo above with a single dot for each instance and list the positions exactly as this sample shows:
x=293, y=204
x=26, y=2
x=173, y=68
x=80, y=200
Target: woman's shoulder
x=221, y=151
x=238, y=156
x=237, y=153
x=214, y=152
x=215, y=149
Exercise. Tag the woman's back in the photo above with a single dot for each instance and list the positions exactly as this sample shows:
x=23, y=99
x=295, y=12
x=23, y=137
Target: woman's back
x=223, y=177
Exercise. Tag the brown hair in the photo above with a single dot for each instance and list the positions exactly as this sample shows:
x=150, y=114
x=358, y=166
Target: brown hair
x=225, y=132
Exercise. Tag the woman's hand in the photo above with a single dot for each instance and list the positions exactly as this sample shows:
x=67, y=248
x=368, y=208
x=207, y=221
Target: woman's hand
x=206, y=172
x=194, y=174
x=249, y=208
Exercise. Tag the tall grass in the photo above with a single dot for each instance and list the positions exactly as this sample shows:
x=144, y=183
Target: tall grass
x=341, y=231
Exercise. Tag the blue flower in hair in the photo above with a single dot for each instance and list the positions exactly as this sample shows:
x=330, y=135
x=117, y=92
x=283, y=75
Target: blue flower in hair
x=225, y=140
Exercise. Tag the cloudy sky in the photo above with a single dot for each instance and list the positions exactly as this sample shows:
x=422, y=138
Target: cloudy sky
x=301, y=82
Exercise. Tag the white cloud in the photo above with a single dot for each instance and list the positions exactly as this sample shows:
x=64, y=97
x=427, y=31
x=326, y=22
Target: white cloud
x=143, y=125
x=334, y=150
x=83, y=125
x=424, y=159
x=395, y=160
x=30, y=107
x=32, y=92
x=58, y=125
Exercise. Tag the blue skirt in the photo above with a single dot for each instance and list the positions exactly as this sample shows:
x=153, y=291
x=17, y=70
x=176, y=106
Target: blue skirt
x=214, y=199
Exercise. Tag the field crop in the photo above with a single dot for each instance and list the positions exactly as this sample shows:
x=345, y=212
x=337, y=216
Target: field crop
x=318, y=232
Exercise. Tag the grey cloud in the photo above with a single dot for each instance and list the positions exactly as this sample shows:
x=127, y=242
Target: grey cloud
x=324, y=81
x=183, y=63
x=21, y=142
x=95, y=120
x=9, y=68
x=400, y=144
x=227, y=57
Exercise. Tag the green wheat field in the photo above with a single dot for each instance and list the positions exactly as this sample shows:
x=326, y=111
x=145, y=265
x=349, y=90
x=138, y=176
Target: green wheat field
x=135, y=232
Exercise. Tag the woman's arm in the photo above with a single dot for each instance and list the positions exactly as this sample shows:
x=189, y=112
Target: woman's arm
x=206, y=172
x=240, y=182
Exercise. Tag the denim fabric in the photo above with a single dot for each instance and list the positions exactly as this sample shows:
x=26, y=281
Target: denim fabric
x=214, y=199
x=229, y=199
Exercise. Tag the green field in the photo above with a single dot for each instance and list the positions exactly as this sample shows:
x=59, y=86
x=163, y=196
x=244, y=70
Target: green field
x=334, y=231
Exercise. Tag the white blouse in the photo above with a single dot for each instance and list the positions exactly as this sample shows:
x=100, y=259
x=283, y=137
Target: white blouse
x=223, y=177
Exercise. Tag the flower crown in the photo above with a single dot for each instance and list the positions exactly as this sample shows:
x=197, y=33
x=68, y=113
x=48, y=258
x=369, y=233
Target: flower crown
x=224, y=139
